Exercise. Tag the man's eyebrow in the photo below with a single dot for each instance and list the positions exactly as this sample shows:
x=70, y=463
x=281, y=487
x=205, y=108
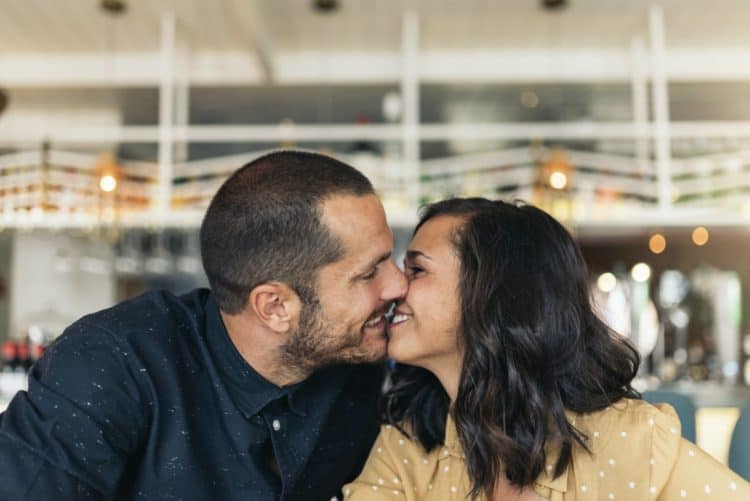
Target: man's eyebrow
x=377, y=261
x=413, y=254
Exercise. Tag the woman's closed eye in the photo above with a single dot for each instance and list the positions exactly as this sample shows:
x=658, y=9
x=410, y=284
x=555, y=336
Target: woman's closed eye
x=412, y=270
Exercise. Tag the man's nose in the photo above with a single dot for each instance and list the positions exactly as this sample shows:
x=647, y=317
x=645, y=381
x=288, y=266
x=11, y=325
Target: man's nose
x=396, y=283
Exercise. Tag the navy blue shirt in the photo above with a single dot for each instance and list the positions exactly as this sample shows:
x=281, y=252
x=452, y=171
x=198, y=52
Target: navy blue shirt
x=151, y=400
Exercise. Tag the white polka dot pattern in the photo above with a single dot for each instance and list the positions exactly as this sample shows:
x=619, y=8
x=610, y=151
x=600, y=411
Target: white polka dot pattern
x=637, y=454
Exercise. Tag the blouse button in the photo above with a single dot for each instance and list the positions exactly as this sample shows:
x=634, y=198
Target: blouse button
x=276, y=424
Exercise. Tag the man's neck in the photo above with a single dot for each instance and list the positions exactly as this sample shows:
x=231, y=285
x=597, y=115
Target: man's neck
x=261, y=350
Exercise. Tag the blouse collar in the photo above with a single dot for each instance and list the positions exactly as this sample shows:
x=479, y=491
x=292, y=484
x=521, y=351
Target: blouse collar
x=546, y=480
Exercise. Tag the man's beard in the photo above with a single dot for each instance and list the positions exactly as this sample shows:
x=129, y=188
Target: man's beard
x=316, y=344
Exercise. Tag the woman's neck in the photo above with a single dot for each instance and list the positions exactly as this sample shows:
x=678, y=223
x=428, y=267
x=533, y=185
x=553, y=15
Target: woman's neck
x=448, y=372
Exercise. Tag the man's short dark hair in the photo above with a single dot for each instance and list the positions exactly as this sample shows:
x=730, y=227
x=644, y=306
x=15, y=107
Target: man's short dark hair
x=265, y=224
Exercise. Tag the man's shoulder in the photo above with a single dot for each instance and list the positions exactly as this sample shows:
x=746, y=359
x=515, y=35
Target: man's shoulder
x=147, y=312
x=147, y=323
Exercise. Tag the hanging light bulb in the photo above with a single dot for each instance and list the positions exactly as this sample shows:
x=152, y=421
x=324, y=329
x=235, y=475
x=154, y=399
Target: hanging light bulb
x=641, y=272
x=108, y=183
x=606, y=282
x=108, y=171
x=558, y=180
x=700, y=236
x=657, y=243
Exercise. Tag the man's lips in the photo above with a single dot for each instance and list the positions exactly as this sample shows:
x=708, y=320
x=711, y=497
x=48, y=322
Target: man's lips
x=378, y=321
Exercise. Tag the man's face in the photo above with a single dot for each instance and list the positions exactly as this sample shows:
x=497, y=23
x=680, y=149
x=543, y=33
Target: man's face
x=346, y=324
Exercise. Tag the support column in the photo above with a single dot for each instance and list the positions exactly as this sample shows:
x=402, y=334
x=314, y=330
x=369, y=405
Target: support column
x=410, y=97
x=182, y=100
x=660, y=93
x=166, y=114
x=639, y=94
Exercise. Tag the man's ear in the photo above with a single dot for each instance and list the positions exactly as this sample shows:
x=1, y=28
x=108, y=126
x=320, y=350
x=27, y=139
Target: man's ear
x=276, y=305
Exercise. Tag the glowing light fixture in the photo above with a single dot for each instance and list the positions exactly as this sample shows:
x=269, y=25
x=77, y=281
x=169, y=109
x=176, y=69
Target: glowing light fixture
x=640, y=272
x=700, y=236
x=108, y=171
x=657, y=243
x=558, y=180
x=606, y=282
x=108, y=183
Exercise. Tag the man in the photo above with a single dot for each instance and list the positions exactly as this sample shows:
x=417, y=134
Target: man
x=254, y=390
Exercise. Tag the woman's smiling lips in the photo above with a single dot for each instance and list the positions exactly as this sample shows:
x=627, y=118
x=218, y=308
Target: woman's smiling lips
x=399, y=317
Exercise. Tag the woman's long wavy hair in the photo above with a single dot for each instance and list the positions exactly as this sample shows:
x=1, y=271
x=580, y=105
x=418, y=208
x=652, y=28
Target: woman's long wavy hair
x=532, y=348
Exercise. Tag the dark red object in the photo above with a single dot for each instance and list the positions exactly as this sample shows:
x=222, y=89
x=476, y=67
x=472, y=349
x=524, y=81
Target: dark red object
x=9, y=350
x=37, y=350
x=9, y=355
x=22, y=350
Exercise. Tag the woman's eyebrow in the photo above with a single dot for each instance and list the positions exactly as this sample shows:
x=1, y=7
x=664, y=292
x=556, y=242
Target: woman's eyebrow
x=413, y=254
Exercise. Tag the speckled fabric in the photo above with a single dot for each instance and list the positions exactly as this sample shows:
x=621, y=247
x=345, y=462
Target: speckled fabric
x=151, y=400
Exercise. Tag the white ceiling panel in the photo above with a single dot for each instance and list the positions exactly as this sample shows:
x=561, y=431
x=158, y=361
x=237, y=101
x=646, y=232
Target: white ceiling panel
x=361, y=25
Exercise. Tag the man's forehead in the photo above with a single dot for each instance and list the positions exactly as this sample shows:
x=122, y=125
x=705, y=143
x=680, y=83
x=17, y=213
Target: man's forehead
x=360, y=223
x=353, y=213
x=344, y=203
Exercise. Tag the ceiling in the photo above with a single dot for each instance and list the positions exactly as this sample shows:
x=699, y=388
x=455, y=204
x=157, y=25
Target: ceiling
x=33, y=26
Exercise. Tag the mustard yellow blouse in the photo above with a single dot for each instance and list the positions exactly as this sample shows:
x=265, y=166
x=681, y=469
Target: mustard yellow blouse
x=637, y=454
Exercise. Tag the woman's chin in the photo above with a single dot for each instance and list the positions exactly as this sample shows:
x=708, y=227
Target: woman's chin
x=397, y=353
x=394, y=353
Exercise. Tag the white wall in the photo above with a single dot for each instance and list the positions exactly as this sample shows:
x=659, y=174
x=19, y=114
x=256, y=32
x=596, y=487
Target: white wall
x=54, y=279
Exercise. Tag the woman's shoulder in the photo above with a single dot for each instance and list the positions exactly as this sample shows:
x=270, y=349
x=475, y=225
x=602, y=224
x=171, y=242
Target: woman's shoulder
x=627, y=417
x=630, y=437
x=397, y=434
x=636, y=449
x=400, y=438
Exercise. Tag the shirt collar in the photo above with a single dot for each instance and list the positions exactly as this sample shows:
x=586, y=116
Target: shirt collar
x=546, y=479
x=250, y=391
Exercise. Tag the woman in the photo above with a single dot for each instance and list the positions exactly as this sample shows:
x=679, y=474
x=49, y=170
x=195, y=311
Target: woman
x=512, y=388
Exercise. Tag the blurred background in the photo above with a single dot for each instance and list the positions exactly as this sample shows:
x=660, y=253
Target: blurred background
x=628, y=121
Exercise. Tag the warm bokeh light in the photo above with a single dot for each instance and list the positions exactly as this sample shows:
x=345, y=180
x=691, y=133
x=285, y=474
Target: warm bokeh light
x=529, y=99
x=558, y=180
x=606, y=282
x=641, y=272
x=700, y=236
x=657, y=243
x=108, y=183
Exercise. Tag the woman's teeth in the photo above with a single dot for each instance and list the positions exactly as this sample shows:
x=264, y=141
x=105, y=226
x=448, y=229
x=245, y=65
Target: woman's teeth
x=399, y=317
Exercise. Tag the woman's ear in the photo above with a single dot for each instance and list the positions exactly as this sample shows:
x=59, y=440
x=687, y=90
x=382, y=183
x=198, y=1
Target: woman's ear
x=276, y=305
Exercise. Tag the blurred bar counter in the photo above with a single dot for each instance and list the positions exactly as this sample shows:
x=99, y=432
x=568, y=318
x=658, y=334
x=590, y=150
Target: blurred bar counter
x=711, y=394
x=717, y=410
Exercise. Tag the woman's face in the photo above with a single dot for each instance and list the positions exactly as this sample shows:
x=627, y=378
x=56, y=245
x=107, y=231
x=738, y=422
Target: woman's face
x=425, y=326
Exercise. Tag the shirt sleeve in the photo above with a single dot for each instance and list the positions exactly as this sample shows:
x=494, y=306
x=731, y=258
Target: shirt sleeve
x=681, y=470
x=70, y=435
x=697, y=474
x=380, y=478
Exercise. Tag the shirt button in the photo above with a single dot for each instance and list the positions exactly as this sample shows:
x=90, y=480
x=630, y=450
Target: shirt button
x=276, y=424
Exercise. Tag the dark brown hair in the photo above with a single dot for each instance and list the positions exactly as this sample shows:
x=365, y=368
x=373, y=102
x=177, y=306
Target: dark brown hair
x=265, y=224
x=533, y=347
